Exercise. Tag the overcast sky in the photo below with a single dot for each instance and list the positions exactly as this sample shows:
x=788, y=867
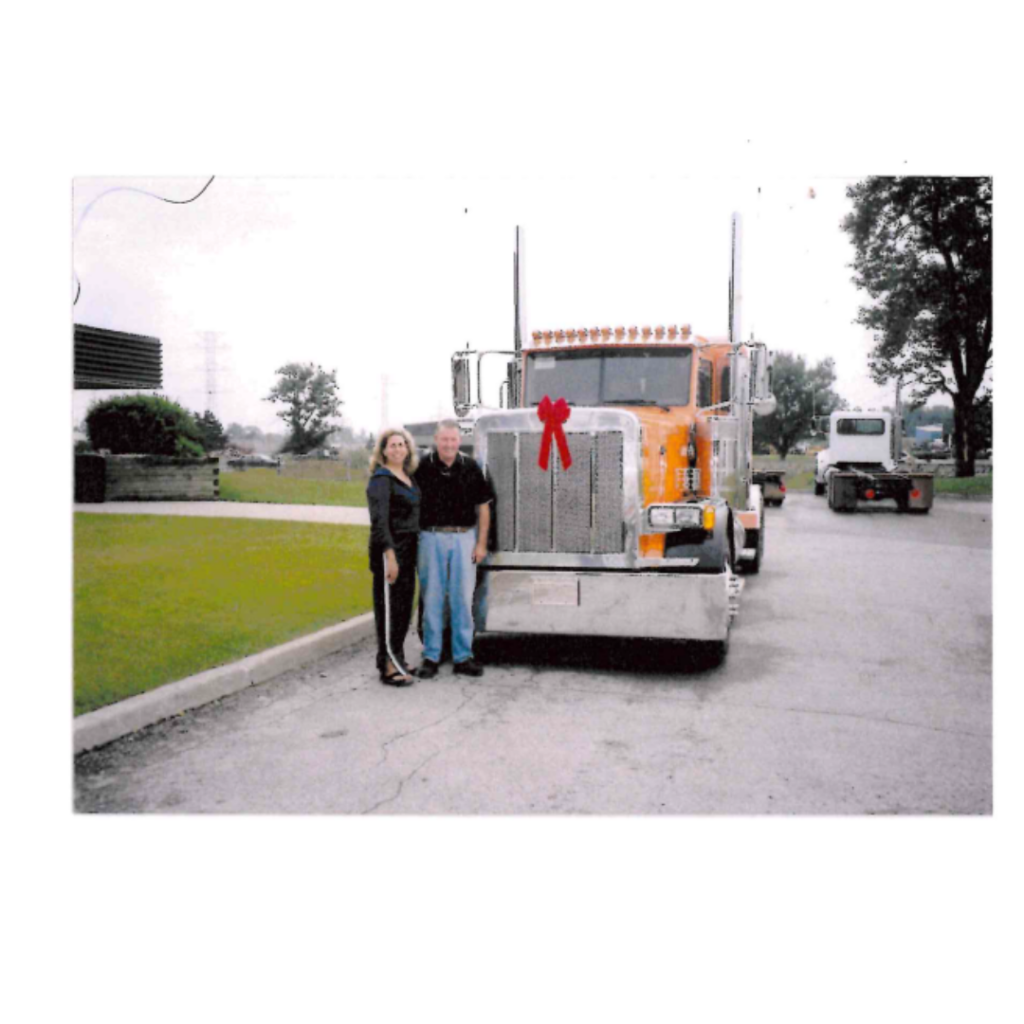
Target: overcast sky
x=387, y=278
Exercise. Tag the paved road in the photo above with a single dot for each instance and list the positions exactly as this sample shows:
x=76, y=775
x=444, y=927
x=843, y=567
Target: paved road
x=859, y=681
x=233, y=510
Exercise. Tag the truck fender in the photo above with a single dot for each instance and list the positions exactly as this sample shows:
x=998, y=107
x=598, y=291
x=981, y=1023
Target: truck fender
x=752, y=526
x=713, y=553
x=755, y=500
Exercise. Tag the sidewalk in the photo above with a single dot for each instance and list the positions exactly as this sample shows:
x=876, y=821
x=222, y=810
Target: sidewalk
x=234, y=510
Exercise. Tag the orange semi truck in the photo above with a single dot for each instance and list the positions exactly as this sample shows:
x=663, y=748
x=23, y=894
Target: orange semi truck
x=623, y=479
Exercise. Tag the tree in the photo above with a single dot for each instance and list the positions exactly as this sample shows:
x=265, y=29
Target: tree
x=214, y=438
x=143, y=425
x=981, y=439
x=800, y=395
x=923, y=253
x=310, y=396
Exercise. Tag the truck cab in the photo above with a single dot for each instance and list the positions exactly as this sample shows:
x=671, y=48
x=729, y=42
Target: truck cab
x=629, y=516
x=862, y=439
x=621, y=462
x=863, y=462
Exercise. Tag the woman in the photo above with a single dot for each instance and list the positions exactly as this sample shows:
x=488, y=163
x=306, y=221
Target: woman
x=394, y=501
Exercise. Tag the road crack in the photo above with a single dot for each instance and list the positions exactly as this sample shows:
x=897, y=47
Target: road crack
x=866, y=718
x=401, y=782
x=469, y=698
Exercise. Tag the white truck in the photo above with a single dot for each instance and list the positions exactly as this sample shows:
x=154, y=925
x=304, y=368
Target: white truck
x=864, y=462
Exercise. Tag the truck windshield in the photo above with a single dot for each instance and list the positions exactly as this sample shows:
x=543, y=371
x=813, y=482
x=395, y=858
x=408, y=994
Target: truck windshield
x=658, y=376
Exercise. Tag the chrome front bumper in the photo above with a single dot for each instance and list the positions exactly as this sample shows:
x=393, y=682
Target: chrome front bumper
x=675, y=606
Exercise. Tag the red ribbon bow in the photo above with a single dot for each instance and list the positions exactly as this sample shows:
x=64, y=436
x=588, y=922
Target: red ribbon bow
x=553, y=415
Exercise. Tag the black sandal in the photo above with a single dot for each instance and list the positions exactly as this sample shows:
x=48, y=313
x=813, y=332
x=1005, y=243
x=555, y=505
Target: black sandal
x=400, y=677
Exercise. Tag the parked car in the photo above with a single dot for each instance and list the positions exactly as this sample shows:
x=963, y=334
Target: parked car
x=254, y=461
x=773, y=487
x=927, y=452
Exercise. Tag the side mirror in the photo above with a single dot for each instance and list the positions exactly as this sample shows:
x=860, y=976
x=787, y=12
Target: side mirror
x=764, y=406
x=462, y=383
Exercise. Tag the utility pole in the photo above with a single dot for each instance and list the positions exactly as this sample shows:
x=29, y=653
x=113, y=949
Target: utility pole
x=211, y=347
x=898, y=422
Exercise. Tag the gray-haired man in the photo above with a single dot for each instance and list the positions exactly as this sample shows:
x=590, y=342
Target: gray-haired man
x=455, y=516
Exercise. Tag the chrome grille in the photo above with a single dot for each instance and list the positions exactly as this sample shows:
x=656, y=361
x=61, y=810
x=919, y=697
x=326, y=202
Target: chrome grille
x=573, y=490
x=502, y=464
x=609, y=537
x=575, y=511
x=533, y=499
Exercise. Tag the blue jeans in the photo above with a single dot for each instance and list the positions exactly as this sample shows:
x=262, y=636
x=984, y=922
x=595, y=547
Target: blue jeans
x=447, y=572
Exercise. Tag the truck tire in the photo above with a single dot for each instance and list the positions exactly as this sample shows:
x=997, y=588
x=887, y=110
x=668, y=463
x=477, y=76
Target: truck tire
x=839, y=494
x=752, y=568
x=819, y=489
x=710, y=653
x=717, y=651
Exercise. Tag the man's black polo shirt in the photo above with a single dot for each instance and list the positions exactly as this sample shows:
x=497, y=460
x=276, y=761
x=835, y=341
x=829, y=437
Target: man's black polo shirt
x=450, y=494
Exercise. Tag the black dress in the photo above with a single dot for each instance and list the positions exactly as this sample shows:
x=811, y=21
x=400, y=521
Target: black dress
x=394, y=524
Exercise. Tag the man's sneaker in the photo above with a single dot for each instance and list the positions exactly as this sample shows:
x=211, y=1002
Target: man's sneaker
x=468, y=668
x=427, y=669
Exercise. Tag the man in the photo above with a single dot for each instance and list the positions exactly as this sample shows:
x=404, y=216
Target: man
x=455, y=517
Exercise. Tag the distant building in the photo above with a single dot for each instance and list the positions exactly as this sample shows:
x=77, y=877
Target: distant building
x=114, y=360
x=928, y=433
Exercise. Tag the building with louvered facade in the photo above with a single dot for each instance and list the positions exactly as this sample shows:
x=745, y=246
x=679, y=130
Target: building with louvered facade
x=114, y=360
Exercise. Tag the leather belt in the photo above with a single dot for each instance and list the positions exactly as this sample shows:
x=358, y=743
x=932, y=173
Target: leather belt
x=446, y=529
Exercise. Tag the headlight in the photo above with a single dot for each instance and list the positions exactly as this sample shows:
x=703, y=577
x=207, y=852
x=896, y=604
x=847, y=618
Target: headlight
x=661, y=517
x=674, y=517
x=688, y=516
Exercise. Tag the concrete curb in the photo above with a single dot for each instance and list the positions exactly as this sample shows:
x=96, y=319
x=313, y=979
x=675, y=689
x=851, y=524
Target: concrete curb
x=95, y=728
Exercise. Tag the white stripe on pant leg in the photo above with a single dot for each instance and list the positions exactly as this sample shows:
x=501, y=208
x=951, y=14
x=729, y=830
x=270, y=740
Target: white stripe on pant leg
x=400, y=669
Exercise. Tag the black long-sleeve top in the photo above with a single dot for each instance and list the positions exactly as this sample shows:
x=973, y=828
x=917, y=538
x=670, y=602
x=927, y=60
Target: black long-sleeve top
x=394, y=512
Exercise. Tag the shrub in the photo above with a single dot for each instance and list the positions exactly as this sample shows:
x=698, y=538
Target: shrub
x=211, y=430
x=143, y=425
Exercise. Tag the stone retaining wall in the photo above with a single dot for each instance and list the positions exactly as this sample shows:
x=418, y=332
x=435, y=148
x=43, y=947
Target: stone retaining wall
x=161, y=478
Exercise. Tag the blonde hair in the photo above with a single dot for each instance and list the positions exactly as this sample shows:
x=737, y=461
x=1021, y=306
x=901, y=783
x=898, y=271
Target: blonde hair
x=412, y=460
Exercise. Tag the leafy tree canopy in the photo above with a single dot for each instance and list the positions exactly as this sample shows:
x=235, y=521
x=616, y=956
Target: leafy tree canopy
x=309, y=395
x=800, y=395
x=923, y=253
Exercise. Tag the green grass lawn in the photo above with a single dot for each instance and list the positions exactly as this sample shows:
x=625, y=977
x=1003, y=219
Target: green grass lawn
x=158, y=598
x=799, y=470
x=266, y=485
x=968, y=487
